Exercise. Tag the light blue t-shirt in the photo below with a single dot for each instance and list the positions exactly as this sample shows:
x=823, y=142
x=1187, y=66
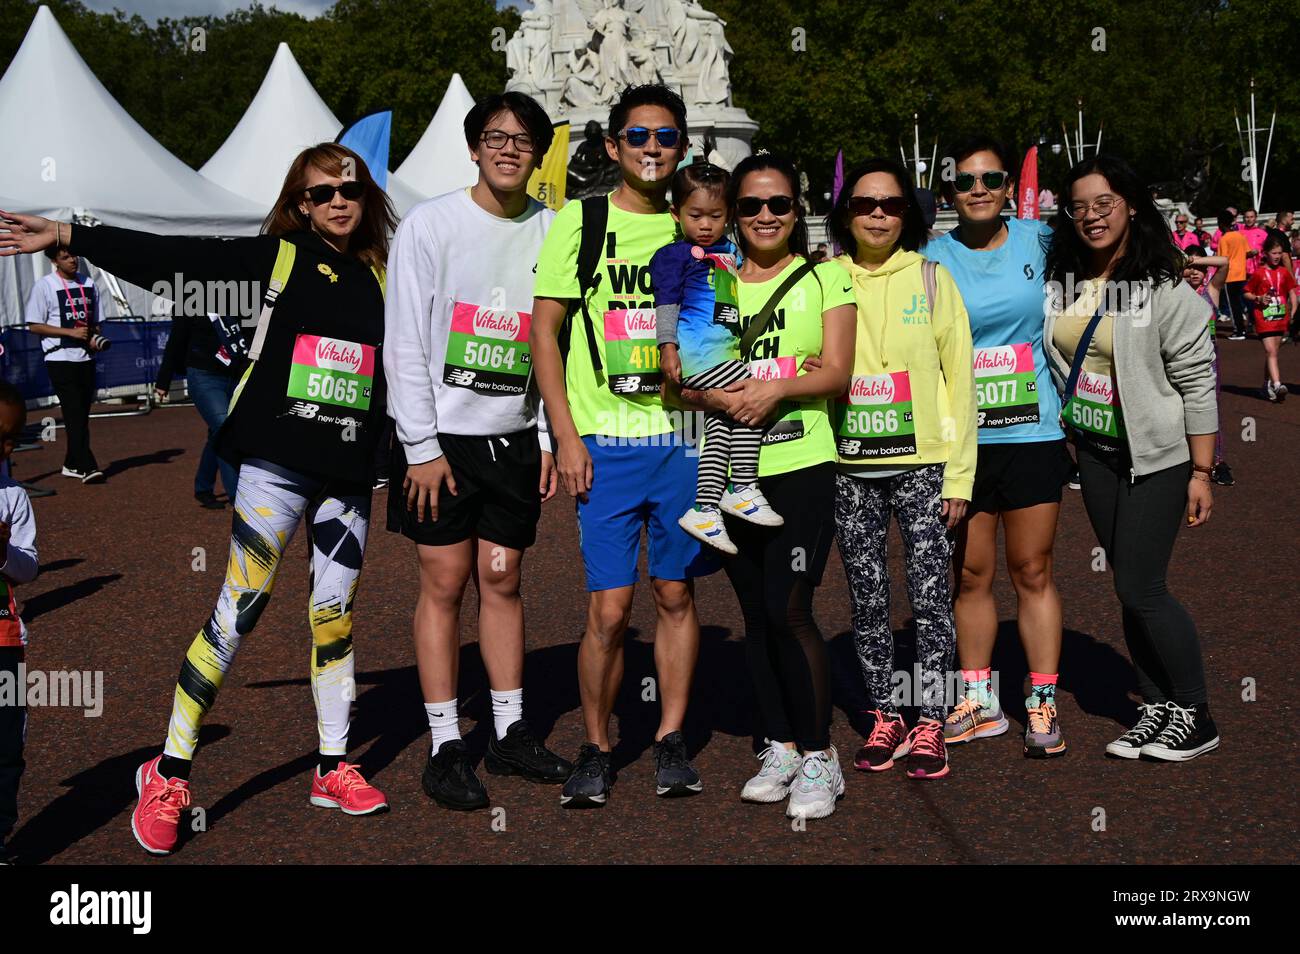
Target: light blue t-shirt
x=1003, y=292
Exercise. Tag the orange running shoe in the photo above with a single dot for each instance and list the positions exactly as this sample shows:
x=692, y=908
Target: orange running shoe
x=971, y=720
x=157, y=814
x=344, y=788
x=1043, y=739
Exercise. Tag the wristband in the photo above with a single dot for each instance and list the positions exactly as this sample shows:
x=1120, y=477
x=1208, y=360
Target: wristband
x=1202, y=477
x=1202, y=470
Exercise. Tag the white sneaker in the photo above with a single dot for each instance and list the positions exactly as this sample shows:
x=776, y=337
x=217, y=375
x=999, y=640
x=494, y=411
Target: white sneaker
x=1270, y=391
x=748, y=503
x=69, y=472
x=1280, y=392
x=819, y=783
x=772, y=783
x=706, y=526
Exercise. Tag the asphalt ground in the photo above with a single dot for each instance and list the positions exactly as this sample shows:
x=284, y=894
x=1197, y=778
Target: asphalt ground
x=119, y=593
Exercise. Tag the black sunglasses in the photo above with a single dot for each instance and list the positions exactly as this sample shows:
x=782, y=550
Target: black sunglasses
x=891, y=205
x=965, y=181
x=750, y=205
x=666, y=136
x=352, y=190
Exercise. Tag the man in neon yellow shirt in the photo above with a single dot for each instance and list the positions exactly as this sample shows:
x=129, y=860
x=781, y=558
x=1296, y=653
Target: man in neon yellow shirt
x=617, y=450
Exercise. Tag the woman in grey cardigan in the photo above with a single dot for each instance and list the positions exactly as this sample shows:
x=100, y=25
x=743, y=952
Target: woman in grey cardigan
x=1131, y=354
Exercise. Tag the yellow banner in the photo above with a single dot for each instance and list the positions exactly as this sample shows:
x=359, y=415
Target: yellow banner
x=547, y=183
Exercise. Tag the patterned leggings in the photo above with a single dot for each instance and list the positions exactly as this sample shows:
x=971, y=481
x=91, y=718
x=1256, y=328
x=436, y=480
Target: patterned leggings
x=862, y=510
x=270, y=503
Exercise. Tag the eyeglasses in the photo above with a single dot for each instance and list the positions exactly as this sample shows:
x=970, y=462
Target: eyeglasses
x=1180, y=221
x=992, y=180
x=894, y=205
x=352, y=190
x=751, y=205
x=1103, y=205
x=496, y=139
x=666, y=136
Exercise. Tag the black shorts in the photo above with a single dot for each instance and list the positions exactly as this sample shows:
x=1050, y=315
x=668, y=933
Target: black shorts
x=496, y=492
x=1015, y=476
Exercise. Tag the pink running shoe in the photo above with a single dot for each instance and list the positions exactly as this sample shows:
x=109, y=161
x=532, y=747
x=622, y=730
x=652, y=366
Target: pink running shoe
x=344, y=788
x=927, y=757
x=877, y=754
x=157, y=814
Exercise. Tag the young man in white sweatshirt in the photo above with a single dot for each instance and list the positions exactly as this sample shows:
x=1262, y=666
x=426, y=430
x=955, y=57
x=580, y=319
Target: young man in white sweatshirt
x=472, y=461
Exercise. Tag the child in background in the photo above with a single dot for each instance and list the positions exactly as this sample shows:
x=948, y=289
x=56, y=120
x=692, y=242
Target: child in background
x=18, y=547
x=698, y=330
x=1272, y=291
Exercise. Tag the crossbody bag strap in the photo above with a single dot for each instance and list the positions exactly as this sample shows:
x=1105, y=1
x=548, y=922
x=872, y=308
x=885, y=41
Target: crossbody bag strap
x=760, y=322
x=279, y=277
x=1081, y=351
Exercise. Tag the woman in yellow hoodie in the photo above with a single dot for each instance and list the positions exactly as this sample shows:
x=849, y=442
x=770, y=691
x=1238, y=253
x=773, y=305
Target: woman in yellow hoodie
x=906, y=439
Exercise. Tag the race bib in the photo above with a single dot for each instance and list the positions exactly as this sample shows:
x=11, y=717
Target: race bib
x=330, y=380
x=1094, y=406
x=874, y=418
x=487, y=350
x=789, y=423
x=726, y=305
x=1005, y=386
x=1274, y=309
x=631, y=352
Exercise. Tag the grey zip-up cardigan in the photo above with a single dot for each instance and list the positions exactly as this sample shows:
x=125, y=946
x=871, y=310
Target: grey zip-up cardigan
x=1164, y=373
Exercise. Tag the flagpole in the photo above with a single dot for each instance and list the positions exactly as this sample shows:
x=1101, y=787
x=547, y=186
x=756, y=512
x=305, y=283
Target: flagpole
x=916, y=148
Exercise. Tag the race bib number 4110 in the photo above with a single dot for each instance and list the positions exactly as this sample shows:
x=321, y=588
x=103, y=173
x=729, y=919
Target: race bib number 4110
x=631, y=352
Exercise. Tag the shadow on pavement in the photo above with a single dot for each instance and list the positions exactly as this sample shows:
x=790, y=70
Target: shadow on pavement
x=63, y=595
x=93, y=799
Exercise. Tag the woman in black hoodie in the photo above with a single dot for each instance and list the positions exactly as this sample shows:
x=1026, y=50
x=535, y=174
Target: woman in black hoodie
x=302, y=429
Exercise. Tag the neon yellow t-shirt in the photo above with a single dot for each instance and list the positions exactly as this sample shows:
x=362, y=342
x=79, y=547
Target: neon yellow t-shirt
x=801, y=436
x=618, y=306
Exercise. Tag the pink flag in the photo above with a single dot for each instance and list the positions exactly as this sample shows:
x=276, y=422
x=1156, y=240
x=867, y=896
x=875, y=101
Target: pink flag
x=1027, y=201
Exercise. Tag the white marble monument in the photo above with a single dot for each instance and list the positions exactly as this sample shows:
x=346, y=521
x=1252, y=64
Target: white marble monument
x=576, y=56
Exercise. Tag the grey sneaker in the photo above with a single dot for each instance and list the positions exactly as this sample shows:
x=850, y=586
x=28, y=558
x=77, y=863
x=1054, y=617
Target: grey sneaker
x=1043, y=738
x=589, y=784
x=772, y=783
x=674, y=774
x=969, y=720
x=818, y=784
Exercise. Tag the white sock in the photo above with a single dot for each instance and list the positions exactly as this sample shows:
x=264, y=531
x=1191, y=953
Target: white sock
x=444, y=723
x=507, y=709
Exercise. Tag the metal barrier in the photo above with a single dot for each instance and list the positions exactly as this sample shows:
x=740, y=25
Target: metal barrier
x=126, y=370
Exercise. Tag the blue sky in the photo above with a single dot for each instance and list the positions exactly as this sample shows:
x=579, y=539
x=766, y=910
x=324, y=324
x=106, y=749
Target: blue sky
x=153, y=9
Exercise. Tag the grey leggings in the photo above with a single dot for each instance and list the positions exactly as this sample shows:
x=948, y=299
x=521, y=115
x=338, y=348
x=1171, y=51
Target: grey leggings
x=1136, y=522
x=862, y=510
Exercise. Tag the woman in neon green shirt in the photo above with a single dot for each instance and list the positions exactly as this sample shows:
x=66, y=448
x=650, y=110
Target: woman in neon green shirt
x=778, y=568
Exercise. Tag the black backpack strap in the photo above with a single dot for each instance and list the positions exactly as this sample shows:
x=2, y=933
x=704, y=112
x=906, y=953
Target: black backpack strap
x=595, y=220
x=760, y=322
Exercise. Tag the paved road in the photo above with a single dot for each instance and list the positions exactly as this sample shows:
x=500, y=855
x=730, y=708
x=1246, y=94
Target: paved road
x=119, y=593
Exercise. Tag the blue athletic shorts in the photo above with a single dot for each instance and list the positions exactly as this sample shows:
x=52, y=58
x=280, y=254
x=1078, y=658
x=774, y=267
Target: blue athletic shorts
x=634, y=487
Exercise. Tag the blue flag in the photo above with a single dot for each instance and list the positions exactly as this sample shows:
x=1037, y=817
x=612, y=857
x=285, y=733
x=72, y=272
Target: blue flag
x=368, y=137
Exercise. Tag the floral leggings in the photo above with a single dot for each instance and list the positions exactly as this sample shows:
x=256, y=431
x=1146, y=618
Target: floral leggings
x=863, y=506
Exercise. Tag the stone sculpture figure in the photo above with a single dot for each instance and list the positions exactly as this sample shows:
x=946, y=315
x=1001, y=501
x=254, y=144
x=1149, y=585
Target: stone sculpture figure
x=528, y=53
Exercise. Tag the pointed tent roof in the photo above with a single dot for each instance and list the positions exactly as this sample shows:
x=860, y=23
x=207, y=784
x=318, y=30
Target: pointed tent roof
x=285, y=117
x=79, y=149
x=440, y=162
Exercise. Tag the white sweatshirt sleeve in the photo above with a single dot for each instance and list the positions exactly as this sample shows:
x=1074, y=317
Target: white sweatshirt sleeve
x=544, y=428
x=21, y=562
x=408, y=317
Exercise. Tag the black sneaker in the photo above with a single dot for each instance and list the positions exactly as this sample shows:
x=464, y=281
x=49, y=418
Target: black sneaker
x=7, y=857
x=519, y=753
x=1187, y=733
x=1129, y=745
x=589, y=784
x=674, y=774
x=1222, y=474
x=450, y=781
x=208, y=500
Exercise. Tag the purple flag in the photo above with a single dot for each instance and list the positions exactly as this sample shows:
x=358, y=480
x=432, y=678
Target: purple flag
x=837, y=184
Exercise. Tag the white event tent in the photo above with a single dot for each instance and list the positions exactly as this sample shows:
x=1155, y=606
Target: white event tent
x=440, y=162
x=286, y=116
x=71, y=150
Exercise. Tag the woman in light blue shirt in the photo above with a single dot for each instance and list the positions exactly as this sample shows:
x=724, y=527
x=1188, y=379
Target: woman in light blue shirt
x=998, y=264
